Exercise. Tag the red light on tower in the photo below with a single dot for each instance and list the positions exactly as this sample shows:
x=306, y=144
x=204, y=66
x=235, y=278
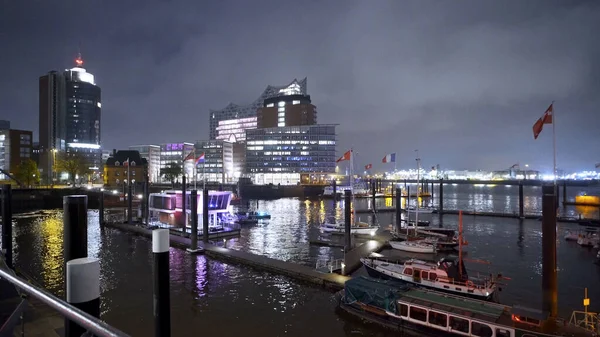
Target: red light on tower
x=79, y=61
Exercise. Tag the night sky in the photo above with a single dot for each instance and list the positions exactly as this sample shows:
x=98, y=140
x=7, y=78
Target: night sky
x=462, y=81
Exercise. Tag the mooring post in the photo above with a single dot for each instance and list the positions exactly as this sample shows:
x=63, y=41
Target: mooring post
x=162, y=298
x=521, y=201
x=406, y=204
x=564, y=194
x=549, y=282
x=129, y=203
x=7, y=224
x=83, y=291
x=75, y=223
x=194, y=215
x=205, y=215
x=184, y=201
x=348, y=218
x=101, y=209
x=432, y=192
x=334, y=184
x=373, y=183
x=398, y=210
x=441, y=198
x=146, y=202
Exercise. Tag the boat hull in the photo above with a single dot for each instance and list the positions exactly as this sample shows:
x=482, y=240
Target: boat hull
x=359, y=231
x=423, y=249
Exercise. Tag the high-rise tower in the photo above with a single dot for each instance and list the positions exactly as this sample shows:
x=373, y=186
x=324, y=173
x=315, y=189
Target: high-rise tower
x=70, y=117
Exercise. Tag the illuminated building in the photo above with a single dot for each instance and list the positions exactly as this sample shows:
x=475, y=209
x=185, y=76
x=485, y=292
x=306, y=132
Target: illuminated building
x=218, y=161
x=175, y=153
x=235, y=127
x=15, y=146
x=152, y=155
x=124, y=167
x=287, y=155
x=289, y=110
x=236, y=117
x=69, y=116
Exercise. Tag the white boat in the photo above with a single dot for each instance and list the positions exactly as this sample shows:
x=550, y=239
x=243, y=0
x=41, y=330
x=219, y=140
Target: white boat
x=357, y=189
x=419, y=210
x=571, y=236
x=418, y=246
x=588, y=241
x=448, y=275
x=360, y=228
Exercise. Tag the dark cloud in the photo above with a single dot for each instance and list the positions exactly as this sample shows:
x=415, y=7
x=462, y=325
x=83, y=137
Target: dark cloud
x=463, y=81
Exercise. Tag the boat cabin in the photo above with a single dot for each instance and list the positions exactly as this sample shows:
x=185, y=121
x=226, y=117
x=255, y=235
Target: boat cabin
x=166, y=207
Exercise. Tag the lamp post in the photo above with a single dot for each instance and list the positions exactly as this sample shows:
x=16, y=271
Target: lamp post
x=53, y=166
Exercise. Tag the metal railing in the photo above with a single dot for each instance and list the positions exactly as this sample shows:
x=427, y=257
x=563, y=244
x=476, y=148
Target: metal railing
x=86, y=321
x=329, y=266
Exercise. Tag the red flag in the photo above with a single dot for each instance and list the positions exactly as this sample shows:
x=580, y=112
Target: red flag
x=368, y=167
x=545, y=119
x=346, y=156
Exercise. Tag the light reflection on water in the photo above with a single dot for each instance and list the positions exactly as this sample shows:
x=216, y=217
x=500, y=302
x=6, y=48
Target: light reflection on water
x=213, y=293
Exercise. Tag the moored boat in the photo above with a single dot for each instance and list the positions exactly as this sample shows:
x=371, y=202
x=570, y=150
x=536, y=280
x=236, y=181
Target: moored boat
x=421, y=210
x=422, y=312
x=447, y=275
x=412, y=223
x=416, y=246
x=359, y=228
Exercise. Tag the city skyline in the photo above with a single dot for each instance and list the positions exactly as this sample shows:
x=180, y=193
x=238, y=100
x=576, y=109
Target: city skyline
x=463, y=83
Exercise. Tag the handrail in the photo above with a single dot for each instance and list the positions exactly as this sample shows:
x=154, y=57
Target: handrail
x=85, y=320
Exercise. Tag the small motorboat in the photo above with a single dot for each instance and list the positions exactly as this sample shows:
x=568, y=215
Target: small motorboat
x=420, y=223
x=359, y=228
x=588, y=238
x=572, y=236
x=416, y=246
x=421, y=210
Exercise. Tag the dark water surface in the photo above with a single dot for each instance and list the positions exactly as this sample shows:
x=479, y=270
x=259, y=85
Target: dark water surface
x=219, y=299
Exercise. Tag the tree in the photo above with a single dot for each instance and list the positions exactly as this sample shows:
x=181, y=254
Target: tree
x=27, y=173
x=171, y=172
x=74, y=164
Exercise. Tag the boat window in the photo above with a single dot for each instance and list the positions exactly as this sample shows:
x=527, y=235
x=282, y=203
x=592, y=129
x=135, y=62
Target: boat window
x=481, y=330
x=459, y=324
x=438, y=319
x=408, y=271
x=432, y=276
x=424, y=275
x=404, y=310
x=526, y=320
x=502, y=333
x=418, y=314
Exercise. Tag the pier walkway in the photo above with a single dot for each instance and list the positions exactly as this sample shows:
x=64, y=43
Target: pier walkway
x=297, y=271
x=352, y=258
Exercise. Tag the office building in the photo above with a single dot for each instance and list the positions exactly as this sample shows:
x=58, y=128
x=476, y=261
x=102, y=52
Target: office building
x=152, y=155
x=176, y=153
x=15, y=147
x=235, y=119
x=35, y=153
x=290, y=155
x=69, y=117
x=289, y=110
x=124, y=167
x=218, y=161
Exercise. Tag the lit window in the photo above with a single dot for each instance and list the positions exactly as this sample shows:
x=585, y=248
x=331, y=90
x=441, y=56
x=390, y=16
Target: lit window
x=280, y=104
x=295, y=102
x=270, y=105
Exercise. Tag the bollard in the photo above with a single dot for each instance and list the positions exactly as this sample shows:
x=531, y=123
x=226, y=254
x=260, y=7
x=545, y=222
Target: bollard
x=348, y=218
x=205, y=215
x=83, y=291
x=129, y=204
x=7, y=224
x=101, y=209
x=194, y=215
x=75, y=227
x=441, y=198
x=183, y=202
x=373, y=187
x=398, y=209
x=162, y=300
x=521, y=212
x=549, y=281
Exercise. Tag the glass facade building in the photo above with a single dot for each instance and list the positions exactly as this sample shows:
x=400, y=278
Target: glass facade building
x=234, y=130
x=175, y=153
x=282, y=154
x=218, y=161
x=232, y=113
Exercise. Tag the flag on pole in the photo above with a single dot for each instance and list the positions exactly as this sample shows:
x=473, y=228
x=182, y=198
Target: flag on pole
x=545, y=119
x=368, y=167
x=346, y=156
x=200, y=159
x=189, y=156
x=389, y=158
x=126, y=163
x=514, y=166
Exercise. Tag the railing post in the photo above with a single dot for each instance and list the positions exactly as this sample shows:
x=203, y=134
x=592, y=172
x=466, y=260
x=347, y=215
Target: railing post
x=184, y=201
x=205, y=215
x=83, y=291
x=7, y=224
x=398, y=210
x=549, y=281
x=162, y=300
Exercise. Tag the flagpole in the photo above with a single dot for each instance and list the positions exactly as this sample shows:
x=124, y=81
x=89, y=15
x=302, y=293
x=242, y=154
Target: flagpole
x=554, y=143
x=204, y=174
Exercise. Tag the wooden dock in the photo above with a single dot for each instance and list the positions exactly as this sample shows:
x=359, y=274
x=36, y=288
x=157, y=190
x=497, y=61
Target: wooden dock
x=293, y=270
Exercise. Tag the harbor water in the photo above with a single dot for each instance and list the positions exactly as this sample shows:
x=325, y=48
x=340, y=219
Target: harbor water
x=216, y=298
